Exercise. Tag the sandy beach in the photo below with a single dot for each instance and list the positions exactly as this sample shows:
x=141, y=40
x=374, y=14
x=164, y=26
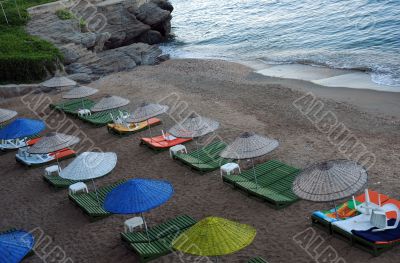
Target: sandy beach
x=241, y=100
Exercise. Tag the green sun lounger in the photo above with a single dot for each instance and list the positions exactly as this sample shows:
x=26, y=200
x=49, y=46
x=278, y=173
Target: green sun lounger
x=206, y=159
x=57, y=181
x=72, y=106
x=101, y=118
x=161, y=237
x=257, y=260
x=148, y=251
x=160, y=231
x=273, y=185
x=90, y=205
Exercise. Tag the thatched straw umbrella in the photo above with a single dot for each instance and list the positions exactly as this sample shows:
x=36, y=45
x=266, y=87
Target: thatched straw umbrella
x=109, y=102
x=58, y=82
x=80, y=93
x=53, y=142
x=330, y=181
x=249, y=146
x=6, y=115
x=193, y=127
x=147, y=111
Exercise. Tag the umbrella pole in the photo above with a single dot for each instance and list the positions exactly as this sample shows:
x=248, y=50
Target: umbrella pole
x=336, y=212
x=145, y=227
x=97, y=195
x=254, y=172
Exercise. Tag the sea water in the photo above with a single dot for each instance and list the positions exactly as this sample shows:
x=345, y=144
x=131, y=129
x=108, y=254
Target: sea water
x=345, y=34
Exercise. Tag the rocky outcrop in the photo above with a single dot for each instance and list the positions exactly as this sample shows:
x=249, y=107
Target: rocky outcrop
x=106, y=36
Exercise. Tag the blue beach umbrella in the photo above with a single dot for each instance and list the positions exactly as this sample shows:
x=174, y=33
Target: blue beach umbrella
x=21, y=128
x=15, y=245
x=138, y=196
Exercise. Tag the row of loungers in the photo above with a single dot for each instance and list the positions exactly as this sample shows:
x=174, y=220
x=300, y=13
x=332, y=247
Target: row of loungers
x=347, y=218
x=103, y=118
x=156, y=243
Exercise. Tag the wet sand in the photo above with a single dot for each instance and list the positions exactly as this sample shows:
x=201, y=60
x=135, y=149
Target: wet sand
x=241, y=100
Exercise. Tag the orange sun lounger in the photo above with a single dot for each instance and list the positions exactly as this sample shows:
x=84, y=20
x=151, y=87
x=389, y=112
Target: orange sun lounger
x=160, y=143
x=32, y=141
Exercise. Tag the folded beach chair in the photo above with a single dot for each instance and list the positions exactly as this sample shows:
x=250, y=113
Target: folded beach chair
x=361, y=230
x=206, y=159
x=377, y=242
x=257, y=260
x=163, y=142
x=274, y=183
x=72, y=106
x=14, y=144
x=36, y=160
x=90, y=205
x=102, y=118
x=130, y=128
x=344, y=211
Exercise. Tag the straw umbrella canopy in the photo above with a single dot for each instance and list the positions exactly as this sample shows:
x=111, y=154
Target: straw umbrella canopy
x=6, y=115
x=138, y=196
x=21, y=128
x=194, y=126
x=330, y=181
x=80, y=92
x=89, y=166
x=213, y=237
x=249, y=146
x=15, y=245
x=109, y=102
x=53, y=142
x=147, y=111
x=58, y=82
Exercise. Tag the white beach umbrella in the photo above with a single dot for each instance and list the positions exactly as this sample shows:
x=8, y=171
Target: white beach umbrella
x=6, y=115
x=89, y=166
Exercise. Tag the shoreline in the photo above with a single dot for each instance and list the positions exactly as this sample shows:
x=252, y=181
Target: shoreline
x=324, y=76
x=241, y=100
x=368, y=100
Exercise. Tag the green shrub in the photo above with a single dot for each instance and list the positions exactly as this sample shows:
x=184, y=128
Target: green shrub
x=64, y=14
x=24, y=58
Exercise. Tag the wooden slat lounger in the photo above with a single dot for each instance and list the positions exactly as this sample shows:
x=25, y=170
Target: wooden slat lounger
x=257, y=260
x=274, y=183
x=89, y=204
x=206, y=159
x=101, y=118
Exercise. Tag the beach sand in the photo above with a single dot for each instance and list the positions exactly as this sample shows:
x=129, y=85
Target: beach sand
x=241, y=100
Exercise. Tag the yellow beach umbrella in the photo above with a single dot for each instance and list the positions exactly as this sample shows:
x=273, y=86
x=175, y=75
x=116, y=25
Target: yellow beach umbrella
x=214, y=236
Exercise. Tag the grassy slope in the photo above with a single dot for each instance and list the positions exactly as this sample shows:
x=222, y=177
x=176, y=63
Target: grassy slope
x=23, y=58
